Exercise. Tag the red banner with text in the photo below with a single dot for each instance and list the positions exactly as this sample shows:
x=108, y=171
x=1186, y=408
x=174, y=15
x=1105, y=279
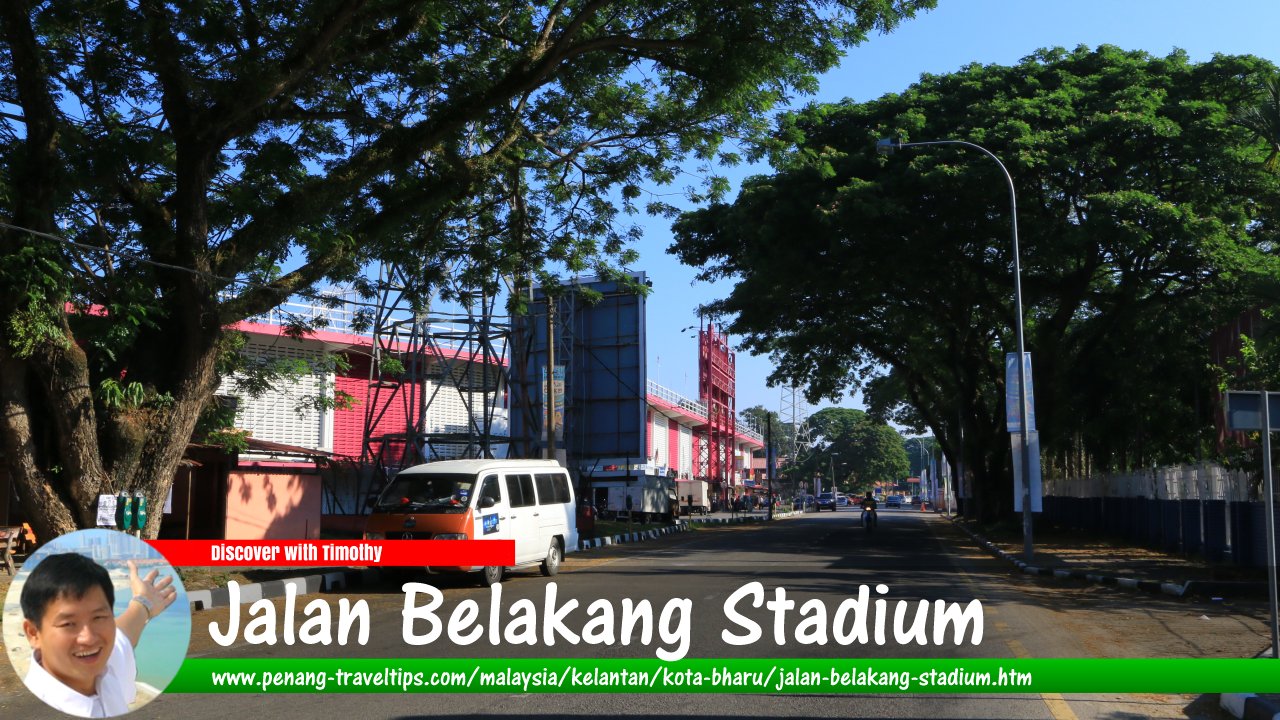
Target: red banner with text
x=336, y=553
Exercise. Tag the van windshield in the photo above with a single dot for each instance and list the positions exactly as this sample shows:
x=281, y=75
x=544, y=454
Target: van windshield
x=427, y=493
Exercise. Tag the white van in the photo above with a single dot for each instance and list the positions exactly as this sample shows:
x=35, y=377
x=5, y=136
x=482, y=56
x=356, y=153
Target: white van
x=528, y=501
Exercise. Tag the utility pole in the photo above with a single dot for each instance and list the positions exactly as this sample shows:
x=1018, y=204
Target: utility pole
x=768, y=459
x=549, y=450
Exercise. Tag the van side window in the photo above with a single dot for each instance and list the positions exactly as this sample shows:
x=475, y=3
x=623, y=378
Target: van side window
x=520, y=491
x=553, y=489
x=491, y=489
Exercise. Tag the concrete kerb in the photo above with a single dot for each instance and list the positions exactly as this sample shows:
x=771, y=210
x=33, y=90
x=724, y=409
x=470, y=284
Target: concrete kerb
x=303, y=585
x=1152, y=586
x=1248, y=706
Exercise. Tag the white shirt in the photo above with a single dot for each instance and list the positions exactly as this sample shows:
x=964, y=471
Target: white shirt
x=116, y=686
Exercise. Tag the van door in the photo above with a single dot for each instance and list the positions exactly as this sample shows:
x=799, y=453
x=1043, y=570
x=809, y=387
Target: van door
x=521, y=518
x=488, y=520
x=555, y=508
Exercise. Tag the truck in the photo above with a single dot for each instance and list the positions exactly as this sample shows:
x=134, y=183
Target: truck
x=651, y=497
x=693, y=496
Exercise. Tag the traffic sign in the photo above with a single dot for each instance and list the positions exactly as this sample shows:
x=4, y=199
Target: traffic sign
x=1244, y=409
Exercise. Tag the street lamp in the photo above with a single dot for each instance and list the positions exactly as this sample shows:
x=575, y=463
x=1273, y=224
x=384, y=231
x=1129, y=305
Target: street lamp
x=886, y=146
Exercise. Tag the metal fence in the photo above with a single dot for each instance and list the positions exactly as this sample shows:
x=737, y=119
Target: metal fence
x=1202, y=509
x=1204, y=481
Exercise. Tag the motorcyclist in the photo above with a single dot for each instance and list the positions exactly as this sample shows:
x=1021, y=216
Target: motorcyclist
x=869, y=510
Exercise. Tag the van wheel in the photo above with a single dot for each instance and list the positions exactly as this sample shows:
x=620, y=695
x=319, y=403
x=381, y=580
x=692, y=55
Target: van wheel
x=551, y=565
x=491, y=575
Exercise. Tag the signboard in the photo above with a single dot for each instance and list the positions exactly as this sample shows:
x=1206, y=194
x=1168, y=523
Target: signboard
x=600, y=343
x=557, y=387
x=106, y=511
x=1244, y=409
x=1013, y=408
x=1033, y=439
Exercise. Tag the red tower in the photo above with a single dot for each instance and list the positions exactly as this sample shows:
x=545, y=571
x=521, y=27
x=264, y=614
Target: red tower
x=716, y=390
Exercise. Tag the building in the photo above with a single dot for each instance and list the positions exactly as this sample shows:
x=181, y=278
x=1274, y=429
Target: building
x=629, y=439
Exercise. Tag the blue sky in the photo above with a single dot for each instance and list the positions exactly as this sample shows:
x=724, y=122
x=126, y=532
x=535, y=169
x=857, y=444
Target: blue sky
x=957, y=33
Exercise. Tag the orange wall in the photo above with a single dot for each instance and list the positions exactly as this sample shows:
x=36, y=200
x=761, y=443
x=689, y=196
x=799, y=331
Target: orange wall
x=272, y=505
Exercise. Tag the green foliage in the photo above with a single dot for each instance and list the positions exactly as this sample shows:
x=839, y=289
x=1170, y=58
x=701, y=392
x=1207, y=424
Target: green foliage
x=1146, y=217
x=231, y=440
x=860, y=450
x=1263, y=119
x=783, y=434
x=216, y=426
x=118, y=396
x=918, y=451
x=229, y=156
x=391, y=366
x=38, y=289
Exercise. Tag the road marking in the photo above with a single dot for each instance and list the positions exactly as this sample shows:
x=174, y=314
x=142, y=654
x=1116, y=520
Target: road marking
x=1057, y=705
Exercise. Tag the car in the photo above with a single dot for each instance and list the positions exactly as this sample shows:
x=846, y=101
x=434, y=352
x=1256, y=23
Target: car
x=893, y=501
x=827, y=500
x=842, y=500
x=915, y=500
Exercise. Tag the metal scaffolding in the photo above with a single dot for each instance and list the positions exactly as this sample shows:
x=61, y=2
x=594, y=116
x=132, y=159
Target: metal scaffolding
x=422, y=360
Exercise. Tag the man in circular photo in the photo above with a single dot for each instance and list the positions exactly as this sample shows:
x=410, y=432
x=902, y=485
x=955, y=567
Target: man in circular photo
x=84, y=622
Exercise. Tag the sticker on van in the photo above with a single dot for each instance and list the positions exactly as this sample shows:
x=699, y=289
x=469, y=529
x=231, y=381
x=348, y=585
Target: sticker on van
x=490, y=523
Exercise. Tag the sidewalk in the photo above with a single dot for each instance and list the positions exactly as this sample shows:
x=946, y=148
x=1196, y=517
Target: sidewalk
x=1068, y=556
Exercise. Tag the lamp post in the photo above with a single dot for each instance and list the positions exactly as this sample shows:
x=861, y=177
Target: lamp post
x=887, y=146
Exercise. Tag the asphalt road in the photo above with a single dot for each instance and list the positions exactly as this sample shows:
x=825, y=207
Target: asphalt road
x=822, y=557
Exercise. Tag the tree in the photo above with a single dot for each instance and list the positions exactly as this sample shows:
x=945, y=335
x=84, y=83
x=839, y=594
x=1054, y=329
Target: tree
x=859, y=449
x=1263, y=119
x=918, y=451
x=195, y=151
x=1259, y=361
x=1146, y=221
x=762, y=418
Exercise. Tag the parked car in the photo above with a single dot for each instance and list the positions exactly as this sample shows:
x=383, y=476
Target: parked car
x=842, y=500
x=893, y=501
x=915, y=500
x=827, y=500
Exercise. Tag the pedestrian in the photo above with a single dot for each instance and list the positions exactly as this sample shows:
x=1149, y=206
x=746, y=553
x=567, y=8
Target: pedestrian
x=83, y=655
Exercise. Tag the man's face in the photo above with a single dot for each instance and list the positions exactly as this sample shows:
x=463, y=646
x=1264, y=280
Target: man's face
x=75, y=638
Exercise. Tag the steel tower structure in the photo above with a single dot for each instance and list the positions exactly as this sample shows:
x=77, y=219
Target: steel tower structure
x=716, y=389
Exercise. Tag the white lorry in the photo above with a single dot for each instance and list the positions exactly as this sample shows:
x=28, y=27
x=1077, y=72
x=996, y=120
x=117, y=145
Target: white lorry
x=651, y=497
x=693, y=496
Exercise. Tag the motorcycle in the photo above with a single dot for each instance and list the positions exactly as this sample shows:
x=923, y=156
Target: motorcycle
x=869, y=519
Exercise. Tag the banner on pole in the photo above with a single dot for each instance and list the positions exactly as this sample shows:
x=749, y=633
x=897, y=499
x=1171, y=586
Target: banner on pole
x=1033, y=439
x=1013, y=408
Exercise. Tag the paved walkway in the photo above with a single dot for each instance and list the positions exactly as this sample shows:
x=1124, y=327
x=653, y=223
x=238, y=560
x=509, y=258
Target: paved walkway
x=1072, y=557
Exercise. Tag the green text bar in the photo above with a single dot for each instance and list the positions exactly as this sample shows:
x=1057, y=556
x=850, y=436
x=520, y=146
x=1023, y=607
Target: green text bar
x=649, y=675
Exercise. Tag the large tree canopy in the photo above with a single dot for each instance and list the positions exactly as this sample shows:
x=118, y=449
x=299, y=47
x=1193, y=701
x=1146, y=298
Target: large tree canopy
x=859, y=450
x=1146, y=215
x=194, y=149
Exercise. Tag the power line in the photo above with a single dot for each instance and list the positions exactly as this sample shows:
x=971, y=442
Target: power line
x=246, y=284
